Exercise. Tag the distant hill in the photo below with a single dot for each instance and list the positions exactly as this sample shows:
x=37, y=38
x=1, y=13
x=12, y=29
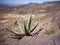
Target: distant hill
x=35, y=8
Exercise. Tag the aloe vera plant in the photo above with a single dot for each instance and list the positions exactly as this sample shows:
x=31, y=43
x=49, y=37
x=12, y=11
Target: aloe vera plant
x=25, y=29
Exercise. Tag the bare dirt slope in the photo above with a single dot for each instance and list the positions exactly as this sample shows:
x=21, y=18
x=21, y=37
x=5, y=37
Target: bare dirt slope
x=42, y=39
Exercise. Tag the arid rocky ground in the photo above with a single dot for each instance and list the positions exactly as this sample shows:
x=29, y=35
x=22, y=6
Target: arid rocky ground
x=50, y=22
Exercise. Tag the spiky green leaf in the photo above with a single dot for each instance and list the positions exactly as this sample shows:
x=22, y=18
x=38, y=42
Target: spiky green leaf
x=21, y=27
x=17, y=36
x=29, y=23
x=34, y=27
x=12, y=32
x=26, y=31
x=36, y=33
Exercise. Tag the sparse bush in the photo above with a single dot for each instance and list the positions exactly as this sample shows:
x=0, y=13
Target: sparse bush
x=48, y=32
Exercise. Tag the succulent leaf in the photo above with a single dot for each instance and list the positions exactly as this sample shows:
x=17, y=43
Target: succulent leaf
x=34, y=27
x=29, y=23
x=12, y=32
x=17, y=37
x=20, y=26
x=36, y=33
x=26, y=31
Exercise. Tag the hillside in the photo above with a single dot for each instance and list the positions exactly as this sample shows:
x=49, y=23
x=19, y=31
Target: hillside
x=35, y=8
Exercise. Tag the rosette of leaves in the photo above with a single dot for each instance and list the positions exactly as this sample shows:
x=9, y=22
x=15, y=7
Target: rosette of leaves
x=25, y=29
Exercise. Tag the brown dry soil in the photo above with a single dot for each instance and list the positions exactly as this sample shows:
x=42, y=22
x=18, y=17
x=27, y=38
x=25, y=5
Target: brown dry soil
x=40, y=39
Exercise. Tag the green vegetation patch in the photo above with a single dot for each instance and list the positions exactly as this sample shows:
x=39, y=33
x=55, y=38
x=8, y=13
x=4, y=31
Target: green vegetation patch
x=49, y=31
